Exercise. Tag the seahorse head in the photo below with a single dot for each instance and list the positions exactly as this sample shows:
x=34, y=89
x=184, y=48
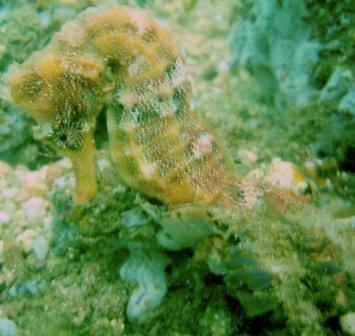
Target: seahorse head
x=61, y=90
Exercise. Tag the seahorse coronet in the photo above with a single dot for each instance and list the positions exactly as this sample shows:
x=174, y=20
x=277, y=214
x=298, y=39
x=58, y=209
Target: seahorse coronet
x=124, y=58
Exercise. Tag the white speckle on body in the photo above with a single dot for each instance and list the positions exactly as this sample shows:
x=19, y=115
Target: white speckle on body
x=103, y=164
x=180, y=74
x=72, y=33
x=128, y=126
x=182, y=136
x=202, y=146
x=133, y=70
x=167, y=109
x=127, y=152
x=252, y=196
x=205, y=140
x=148, y=170
x=196, y=153
x=192, y=104
x=127, y=99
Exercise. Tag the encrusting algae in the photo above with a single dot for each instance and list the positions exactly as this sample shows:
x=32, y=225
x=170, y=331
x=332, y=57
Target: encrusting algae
x=125, y=58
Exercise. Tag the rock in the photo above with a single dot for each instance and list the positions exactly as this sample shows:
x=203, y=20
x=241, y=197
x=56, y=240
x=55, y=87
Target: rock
x=47, y=224
x=65, y=164
x=52, y=171
x=347, y=323
x=4, y=217
x=145, y=268
x=13, y=291
x=35, y=208
x=40, y=248
x=285, y=174
x=34, y=183
x=5, y=169
x=7, y=327
x=12, y=250
x=30, y=287
x=247, y=156
x=25, y=239
x=3, y=183
x=9, y=193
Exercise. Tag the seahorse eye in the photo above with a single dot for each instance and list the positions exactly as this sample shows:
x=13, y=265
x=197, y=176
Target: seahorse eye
x=63, y=137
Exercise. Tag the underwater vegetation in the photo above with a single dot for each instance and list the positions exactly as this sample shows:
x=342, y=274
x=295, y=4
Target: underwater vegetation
x=161, y=227
x=300, y=57
x=273, y=43
x=334, y=76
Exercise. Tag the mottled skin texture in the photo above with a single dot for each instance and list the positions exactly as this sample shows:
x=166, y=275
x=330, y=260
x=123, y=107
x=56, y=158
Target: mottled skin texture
x=123, y=57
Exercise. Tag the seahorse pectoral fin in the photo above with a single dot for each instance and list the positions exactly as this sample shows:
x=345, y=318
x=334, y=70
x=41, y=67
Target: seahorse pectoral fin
x=84, y=165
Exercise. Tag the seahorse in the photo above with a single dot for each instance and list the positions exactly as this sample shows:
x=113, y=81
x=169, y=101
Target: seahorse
x=124, y=58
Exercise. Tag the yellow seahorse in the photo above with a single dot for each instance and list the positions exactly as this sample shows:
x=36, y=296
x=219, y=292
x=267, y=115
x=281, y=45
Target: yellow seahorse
x=124, y=58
